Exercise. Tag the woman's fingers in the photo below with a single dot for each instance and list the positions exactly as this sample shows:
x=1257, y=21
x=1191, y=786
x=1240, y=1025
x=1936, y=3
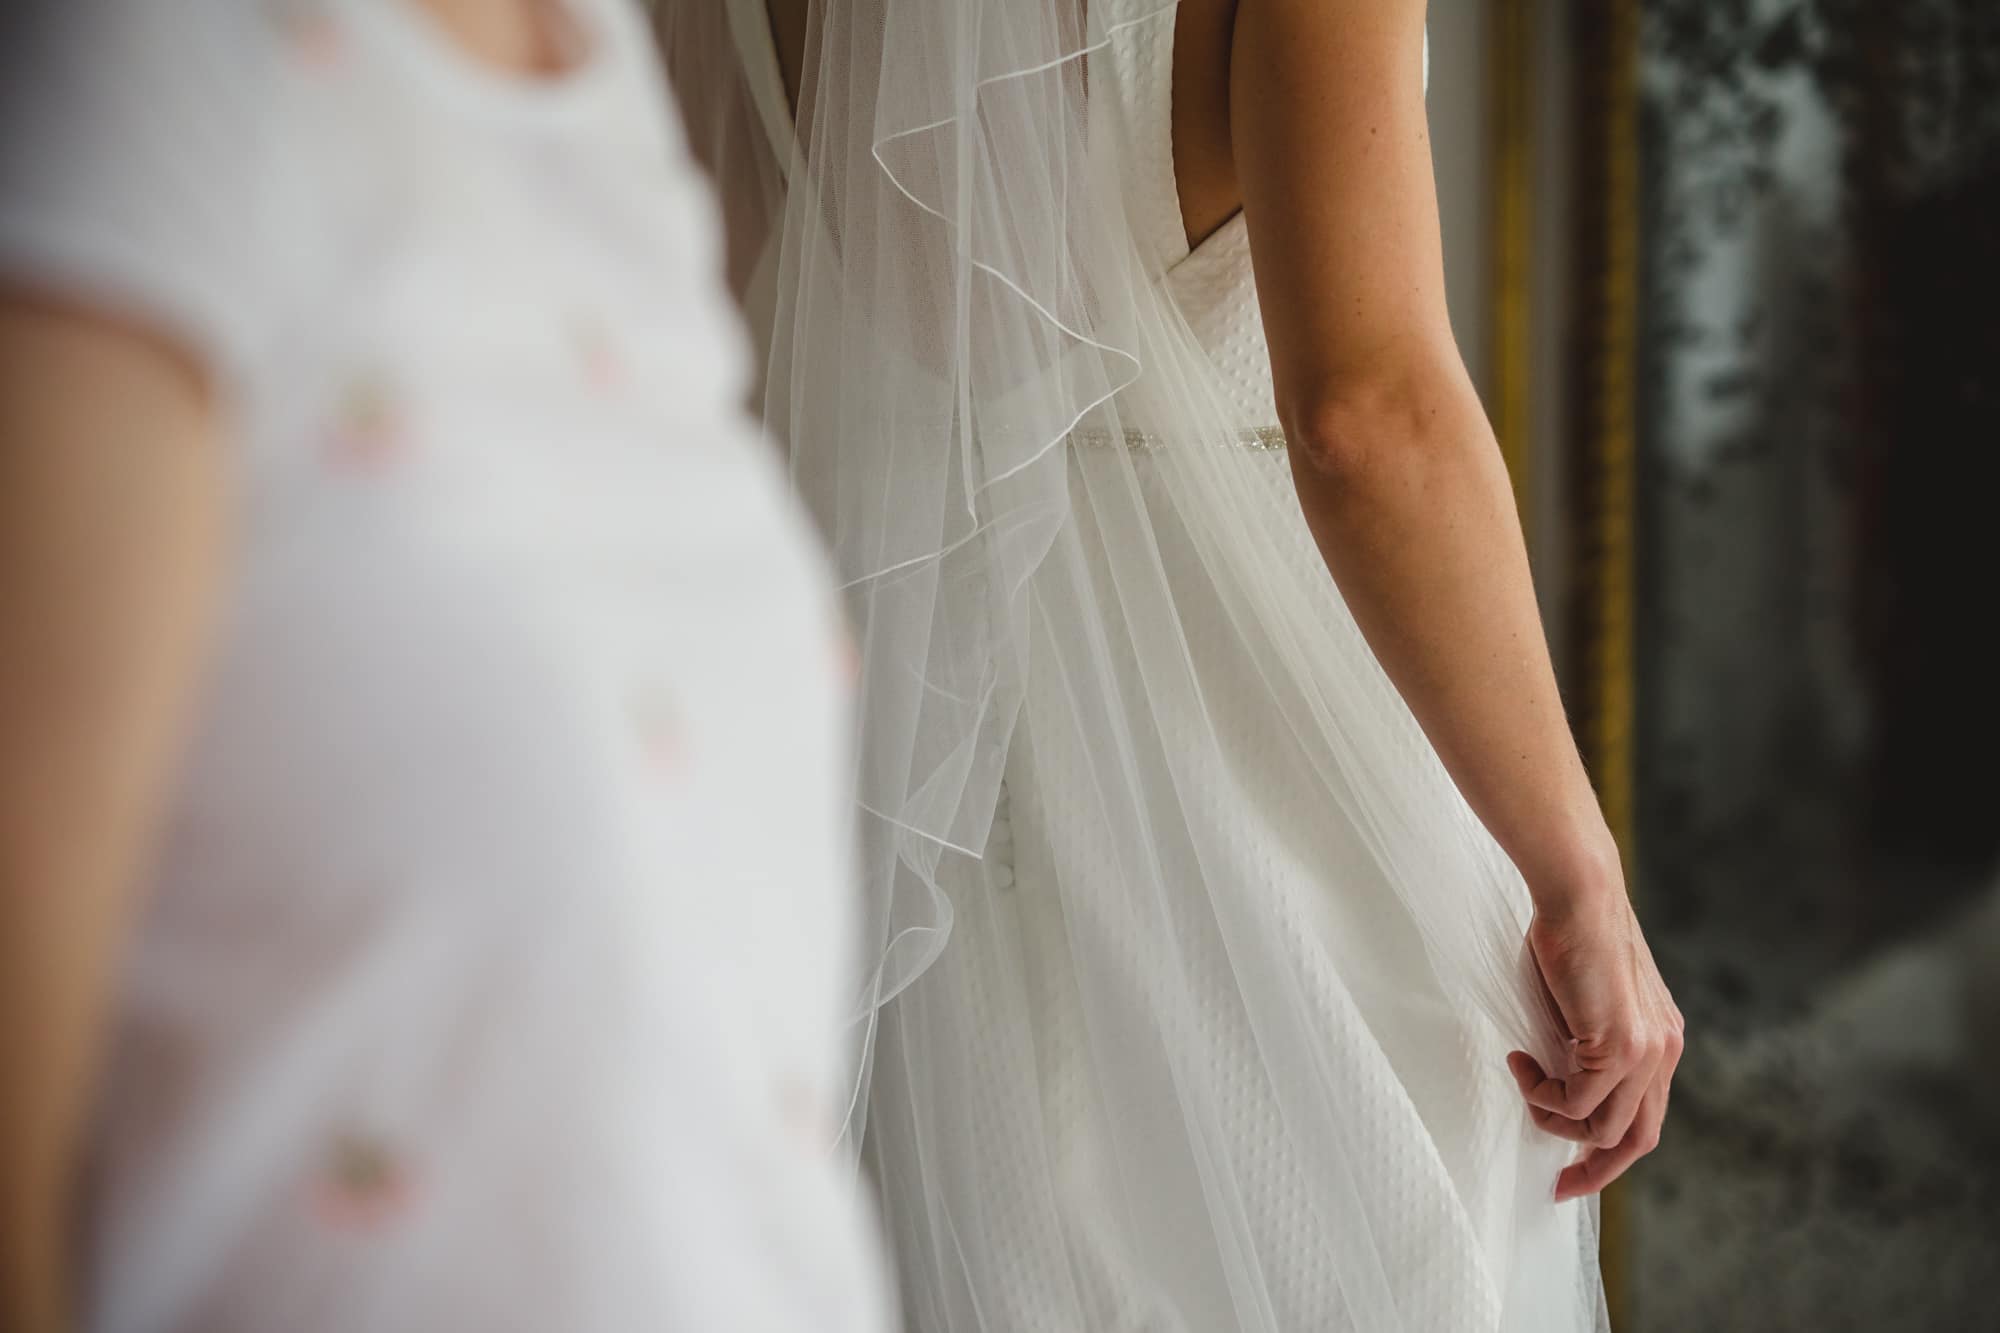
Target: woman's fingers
x=1590, y=1089
x=1575, y=1097
x=1613, y=1119
x=1527, y=1076
x=1599, y=1167
x=1605, y=1124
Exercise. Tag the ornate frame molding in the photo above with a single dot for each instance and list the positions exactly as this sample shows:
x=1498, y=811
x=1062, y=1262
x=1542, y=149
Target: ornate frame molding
x=1604, y=456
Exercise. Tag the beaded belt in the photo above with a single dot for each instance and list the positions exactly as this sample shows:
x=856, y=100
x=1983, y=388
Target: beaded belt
x=1257, y=439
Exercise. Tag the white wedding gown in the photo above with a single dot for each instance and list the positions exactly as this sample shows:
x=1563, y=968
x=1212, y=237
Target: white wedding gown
x=1186, y=1061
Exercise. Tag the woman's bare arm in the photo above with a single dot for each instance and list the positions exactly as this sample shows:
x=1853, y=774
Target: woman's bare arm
x=1396, y=465
x=111, y=509
x=1403, y=486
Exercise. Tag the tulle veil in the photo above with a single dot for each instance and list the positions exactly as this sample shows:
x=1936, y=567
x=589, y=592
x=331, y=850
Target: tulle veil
x=996, y=414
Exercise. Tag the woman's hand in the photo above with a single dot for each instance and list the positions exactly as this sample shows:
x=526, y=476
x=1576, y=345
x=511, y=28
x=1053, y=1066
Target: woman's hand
x=1625, y=1038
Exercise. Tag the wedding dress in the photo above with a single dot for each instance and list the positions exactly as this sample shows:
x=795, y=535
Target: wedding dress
x=1197, y=973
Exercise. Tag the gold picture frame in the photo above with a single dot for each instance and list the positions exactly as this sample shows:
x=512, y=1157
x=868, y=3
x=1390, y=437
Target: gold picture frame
x=1603, y=458
x=1598, y=129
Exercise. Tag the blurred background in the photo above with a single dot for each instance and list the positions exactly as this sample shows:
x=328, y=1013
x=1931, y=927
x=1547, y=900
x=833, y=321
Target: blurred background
x=1728, y=274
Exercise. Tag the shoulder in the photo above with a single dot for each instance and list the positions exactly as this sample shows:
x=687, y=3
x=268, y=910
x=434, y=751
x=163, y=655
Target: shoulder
x=147, y=151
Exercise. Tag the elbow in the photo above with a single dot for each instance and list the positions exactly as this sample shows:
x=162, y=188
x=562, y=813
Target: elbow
x=1357, y=431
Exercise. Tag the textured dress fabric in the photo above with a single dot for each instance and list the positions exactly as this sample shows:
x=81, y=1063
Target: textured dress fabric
x=492, y=970
x=1417, y=1108
x=1186, y=1062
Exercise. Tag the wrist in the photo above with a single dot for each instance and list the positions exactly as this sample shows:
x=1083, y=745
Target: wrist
x=1582, y=873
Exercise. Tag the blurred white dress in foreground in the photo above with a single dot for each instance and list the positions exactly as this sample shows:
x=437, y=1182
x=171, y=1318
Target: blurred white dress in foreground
x=492, y=966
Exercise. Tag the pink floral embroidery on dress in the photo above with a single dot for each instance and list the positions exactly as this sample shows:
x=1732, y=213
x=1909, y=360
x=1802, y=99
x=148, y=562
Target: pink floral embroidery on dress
x=658, y=726
x=368, y=430
x=314, y=36
x=804, y=1117
x=361, y=1186
x=603, y=369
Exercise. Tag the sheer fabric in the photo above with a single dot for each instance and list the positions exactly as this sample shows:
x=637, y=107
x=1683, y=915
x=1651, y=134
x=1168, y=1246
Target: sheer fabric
x=1194, y=975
